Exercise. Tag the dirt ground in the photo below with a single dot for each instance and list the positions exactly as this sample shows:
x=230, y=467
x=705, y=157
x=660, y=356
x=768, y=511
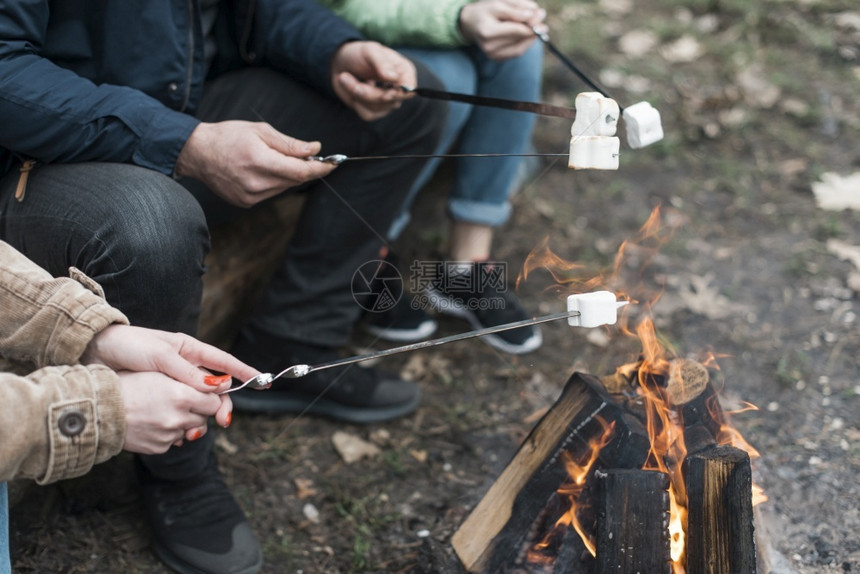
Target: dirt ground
x=759, y=106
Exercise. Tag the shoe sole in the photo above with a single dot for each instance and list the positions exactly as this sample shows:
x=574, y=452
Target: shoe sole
x=420, y=333
x=448, y=306
x=183, y=567
x=276, y=404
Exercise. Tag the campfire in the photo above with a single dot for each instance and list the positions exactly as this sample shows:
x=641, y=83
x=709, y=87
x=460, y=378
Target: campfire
x=638, y=471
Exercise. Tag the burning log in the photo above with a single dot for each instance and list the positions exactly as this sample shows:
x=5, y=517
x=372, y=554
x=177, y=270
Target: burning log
x=720, y=513
x=495, y=533
x=632, y=522
x=686, y=380
x=697, y=437
x=573, y=557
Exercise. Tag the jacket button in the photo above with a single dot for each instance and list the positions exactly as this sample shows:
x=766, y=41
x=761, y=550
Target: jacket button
x=72, y=424
x=172, y=87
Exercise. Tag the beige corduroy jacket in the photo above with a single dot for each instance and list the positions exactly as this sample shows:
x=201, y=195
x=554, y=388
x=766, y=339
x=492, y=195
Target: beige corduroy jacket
x=57, y=418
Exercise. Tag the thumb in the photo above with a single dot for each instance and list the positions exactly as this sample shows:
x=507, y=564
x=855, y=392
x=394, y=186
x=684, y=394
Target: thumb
x=287, y=145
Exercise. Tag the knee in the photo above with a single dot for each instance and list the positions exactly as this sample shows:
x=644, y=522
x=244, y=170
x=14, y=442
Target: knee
x=428, y=107
x=162, y=229
x=150, y=253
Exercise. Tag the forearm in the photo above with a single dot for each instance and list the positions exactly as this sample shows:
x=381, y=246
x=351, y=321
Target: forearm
x=46, y=321
x=58, y=422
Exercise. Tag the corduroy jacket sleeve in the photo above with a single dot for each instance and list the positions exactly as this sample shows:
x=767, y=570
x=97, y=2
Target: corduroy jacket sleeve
x=57, y=421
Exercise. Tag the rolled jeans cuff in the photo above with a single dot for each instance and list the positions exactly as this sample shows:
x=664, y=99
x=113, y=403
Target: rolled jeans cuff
x=479, y=213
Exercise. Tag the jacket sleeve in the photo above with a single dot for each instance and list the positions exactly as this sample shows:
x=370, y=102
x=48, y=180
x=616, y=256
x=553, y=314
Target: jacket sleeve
x=58, y=422
x=47, y=321
x=53, y=115
x=300, y=37
x=425, y=23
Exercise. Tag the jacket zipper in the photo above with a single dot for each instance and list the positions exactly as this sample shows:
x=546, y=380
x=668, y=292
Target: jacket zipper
x=246, y=32
x=26, y=168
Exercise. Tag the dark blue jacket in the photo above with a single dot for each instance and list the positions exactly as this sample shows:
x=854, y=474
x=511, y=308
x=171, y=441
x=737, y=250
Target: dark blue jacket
x=119, y=80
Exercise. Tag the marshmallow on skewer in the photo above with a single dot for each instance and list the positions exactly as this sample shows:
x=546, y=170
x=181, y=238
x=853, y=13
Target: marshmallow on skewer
x=594, y=152
x=595, y=309
x=596, y=115
x=642, y=122
x=592, y=141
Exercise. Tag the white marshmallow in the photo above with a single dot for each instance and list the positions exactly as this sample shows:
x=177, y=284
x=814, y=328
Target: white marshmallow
x=596, y=115
x=595, y=309
x=594, y=152
x=642, y=122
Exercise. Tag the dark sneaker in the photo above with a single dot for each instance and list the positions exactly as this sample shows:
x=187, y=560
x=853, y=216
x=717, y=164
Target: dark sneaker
x=476, y=293
x=389, y=310
x=404, y=322
x=352, y=393
x=197, y=525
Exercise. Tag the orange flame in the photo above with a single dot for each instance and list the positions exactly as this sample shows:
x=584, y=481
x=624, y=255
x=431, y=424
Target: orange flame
x=578, y=472
x=665, y=429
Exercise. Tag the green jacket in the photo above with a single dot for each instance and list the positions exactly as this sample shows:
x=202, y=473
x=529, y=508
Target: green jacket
x=426, y=23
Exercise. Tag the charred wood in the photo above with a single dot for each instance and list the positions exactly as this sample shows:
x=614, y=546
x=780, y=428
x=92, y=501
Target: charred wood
x=632, y=522
x=494, y=534
x=720, y=530
x=686, y=380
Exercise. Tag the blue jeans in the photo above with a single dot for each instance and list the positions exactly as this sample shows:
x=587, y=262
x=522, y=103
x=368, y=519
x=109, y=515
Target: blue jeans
x=5, y=564
x=482, y=186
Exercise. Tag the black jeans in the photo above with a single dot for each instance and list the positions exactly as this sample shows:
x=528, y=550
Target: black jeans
x=143, y=236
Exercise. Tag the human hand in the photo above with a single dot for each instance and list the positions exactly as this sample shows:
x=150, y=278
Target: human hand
x=357, y=71
x=503, y=29
x=158, y=356
x=159, y=412
x=245, y=163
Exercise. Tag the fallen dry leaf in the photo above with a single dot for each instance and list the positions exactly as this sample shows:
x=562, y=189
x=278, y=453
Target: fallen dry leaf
x=848, y=20
x=758, y=91
x=684, y=49
x=696, y=294
x=637, y=43
x=844, y=251
x=381, y=437
x=616, y=7
x=222, y=442
x=835, y=192
x=415, y=368
x=305, y=488
x=793, y=167
x=419, y=455
x=352, y=448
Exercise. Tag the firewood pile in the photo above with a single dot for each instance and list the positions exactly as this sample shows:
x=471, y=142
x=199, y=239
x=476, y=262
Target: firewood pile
x=637, y=472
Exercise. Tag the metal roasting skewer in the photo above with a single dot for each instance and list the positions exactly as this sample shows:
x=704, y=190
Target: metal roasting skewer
x=263, y=380
x=339, y=158
x=516, y=105
x=544, y=37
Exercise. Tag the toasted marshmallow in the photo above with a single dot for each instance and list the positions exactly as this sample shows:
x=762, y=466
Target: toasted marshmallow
x=596, y=115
